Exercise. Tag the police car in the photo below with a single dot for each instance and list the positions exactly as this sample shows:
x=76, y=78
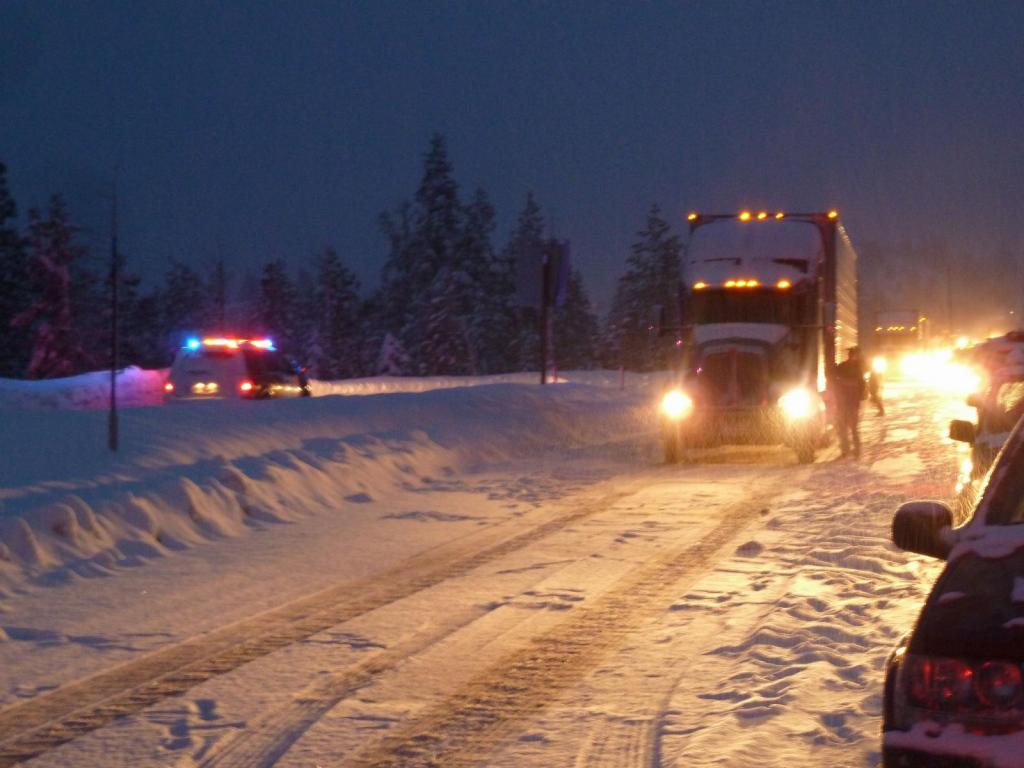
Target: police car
x=226, y=368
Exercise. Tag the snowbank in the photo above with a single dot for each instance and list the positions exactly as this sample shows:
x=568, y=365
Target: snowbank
x=138, y=387
x=208, y=470
x=135, y=387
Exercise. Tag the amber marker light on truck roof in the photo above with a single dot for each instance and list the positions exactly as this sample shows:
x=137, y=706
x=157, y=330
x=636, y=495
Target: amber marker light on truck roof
x=730, y=283
x=700, y=285
x=783, y=284
x=780, y=215
x=745, y=216
x=833, y=214
x=692, y=216
x=762, y=216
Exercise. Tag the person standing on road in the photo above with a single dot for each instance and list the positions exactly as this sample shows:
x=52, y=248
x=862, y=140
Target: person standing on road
x=875, y=392
x=850, y=390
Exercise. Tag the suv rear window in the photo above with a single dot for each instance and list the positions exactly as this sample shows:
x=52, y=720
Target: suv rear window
x=972, y=611
x=268, y=366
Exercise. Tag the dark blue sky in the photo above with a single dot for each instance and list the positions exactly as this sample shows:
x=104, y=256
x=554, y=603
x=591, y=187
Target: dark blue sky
x=270, y=129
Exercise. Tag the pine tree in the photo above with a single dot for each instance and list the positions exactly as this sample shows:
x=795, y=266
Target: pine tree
x=576, y=328
x=488, y=289
x=650, y=284
x=336, y=308
x=277, y=304
x=184, y=304
x=143, y=342
x=391, y=360
x=15, y=291
x=520, y=261
x=425, y=282
x=445, y=347
x=56, y=349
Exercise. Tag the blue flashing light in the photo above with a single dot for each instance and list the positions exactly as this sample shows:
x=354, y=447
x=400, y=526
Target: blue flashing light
x=192, y=344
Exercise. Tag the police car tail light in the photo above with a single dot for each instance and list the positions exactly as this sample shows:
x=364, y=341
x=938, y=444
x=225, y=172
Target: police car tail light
x=168, y=387
x=984, y=687
x=245, y=386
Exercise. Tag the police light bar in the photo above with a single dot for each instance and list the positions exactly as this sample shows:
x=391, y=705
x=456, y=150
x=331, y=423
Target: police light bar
x=194, y=343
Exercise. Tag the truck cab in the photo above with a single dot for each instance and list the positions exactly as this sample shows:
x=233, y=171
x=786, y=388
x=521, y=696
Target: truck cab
x=768, y=301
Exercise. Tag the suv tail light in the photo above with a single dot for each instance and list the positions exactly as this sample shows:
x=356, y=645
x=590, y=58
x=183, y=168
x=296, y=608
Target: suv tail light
x=245, y=386
x=998, y=684
x=966, y=687
x=168, y=387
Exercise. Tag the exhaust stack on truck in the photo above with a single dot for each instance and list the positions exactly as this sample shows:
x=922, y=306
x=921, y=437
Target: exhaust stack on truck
x=769, y=308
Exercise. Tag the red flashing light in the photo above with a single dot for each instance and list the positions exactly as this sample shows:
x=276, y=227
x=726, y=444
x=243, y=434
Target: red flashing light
x=245, y=386
x=168, y=387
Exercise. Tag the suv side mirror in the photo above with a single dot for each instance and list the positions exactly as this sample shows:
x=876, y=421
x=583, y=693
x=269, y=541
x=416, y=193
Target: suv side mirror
x=973, y=401
x=962, y=431
x=923, y=527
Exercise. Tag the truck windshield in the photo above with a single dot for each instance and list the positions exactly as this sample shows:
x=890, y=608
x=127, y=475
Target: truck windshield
x=725, y=306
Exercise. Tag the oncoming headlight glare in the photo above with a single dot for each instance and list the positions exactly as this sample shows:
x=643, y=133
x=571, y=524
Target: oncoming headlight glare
x=797, y=404
x=676, y=404
x=879, y=364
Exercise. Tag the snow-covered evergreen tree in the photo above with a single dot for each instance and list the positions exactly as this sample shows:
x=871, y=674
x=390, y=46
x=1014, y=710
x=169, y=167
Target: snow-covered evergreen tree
x=487, y=290
x=142, y=336
x=427, y=277
x=520, y=260
x=391, y=360
x=15, y=289
x=336, y=307
x=651, y=282
x=184, y=305
x=445, y=346
x=56, y=346
x=576, y=328
x=277, y=304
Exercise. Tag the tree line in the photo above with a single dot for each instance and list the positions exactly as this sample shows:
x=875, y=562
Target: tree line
x=447, y=304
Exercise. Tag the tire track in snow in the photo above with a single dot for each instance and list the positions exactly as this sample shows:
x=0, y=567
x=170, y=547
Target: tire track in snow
x=30, y=728
x=465, y=729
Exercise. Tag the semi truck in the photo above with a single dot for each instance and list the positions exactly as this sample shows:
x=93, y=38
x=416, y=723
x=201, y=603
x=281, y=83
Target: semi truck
x=899, y=334
x=768, y=303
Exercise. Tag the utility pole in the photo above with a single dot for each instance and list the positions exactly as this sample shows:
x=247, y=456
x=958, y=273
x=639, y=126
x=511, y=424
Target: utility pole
x=949, y=300
x=115, y=277
x=545, y=315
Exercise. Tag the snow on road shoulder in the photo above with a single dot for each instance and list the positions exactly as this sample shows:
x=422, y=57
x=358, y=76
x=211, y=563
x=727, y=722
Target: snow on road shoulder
x=138, y=387
x=795, y=630
x=210, y=470
x=88, y=391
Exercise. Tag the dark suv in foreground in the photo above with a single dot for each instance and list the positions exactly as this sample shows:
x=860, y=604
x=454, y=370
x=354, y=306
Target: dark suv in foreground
x=954, y=689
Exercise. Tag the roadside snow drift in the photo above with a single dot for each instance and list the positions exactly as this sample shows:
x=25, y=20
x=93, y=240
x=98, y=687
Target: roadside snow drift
x=208, y=470
x=138, y=387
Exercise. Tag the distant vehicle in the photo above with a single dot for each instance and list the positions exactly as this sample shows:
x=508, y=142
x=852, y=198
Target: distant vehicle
x=899, y=335
x=769, y=308
x=229, y=368
x=954, y=688
x=999, y=402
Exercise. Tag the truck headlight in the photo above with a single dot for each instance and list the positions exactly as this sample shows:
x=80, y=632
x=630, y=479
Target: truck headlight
x=797, y=404
x=879, y=364
x=676, y=404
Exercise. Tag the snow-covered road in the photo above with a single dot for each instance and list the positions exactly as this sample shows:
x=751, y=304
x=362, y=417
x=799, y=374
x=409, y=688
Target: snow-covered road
x=580, y=606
